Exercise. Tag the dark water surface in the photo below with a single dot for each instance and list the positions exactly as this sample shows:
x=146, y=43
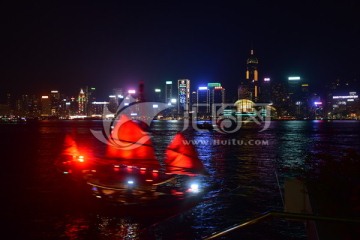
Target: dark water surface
x=38, y=202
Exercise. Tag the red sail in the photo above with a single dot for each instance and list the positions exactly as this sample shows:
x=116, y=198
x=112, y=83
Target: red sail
x=131, y=145
x=182, y=158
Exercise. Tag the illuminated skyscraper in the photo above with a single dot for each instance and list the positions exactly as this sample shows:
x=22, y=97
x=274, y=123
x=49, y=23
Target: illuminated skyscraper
x=157, y=95
x=90, y=97
x=203, y=101
x=168, y=91
x=81, y=102
x=265, y=96
x=55, y=102
x=217, y=97
x=249, y=88
x=252, y=76
x=183, y=95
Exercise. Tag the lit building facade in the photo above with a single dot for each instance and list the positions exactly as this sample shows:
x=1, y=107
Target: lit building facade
x=90, y=96
x=265, y=96
x=81, y=102
x=203, y=101
x=45, y=106
x=345, y=106
x=157, y=95
x=55, y=103
x=183, y=95
x=249, y=87
x=217, y=98
x=168, y=91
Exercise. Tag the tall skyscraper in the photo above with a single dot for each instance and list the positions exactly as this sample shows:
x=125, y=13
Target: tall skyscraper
x=157, y=95
x=141, y=96
x=168, y=91
x=45, y=106
x=265, y=96
x=81, y=102
x=55, y=102
x=249, y=87
x=90, y=97
x=252, y=76
x=217, y=97
x=203, y=101
x=183, y=95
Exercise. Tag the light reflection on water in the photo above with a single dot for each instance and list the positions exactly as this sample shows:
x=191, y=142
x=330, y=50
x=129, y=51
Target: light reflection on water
x=242, y=181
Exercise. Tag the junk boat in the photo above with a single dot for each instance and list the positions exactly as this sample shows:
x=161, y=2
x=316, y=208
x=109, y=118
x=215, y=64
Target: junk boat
x=130, y=174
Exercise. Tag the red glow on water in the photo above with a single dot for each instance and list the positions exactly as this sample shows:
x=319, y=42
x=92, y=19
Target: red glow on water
x=70, y=146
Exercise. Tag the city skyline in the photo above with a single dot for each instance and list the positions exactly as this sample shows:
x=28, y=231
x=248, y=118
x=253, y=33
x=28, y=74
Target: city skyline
x=108, y=45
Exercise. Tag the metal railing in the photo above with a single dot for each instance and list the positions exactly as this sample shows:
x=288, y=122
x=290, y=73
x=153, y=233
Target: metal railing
x=266, y=215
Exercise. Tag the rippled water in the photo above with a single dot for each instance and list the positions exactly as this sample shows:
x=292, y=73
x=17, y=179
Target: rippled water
x=41, y=203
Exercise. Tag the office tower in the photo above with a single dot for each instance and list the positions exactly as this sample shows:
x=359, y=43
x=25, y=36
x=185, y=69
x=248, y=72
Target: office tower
x=280, y=98
x=45, y=106
x=168, y=91
x=294, y=88
x=157, y=95
x=90, y=96
x=203, y=101
x=141, y=96
x=193, y=100
x=249, y=88
x=81, y=102
x=73, y=106
x=217, y=97
x=183, y=95
x=252, y=76
x=265, y=96
x=55, y=102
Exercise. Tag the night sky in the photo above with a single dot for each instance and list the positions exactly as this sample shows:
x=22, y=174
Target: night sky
x=111, y=44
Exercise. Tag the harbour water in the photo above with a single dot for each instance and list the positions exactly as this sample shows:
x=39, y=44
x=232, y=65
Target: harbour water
x=247, y=170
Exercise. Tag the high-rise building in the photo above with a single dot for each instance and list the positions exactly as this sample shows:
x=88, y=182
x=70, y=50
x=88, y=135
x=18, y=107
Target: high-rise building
x=55, y=102
x=203, y=101
x=265, y=96
x=217, y=97
x=193, y=100
x=252, y=76
x=45, y=106
x=141, y=96
x=183, y=95
x=157, y=95
x=90, y=96
x=81, y=102
x=280, y=98
x=168, y=91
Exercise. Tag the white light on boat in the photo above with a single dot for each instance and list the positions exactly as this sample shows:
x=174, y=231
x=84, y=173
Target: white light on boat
x=130, y=182
x=81, y=158
x=194, y=187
